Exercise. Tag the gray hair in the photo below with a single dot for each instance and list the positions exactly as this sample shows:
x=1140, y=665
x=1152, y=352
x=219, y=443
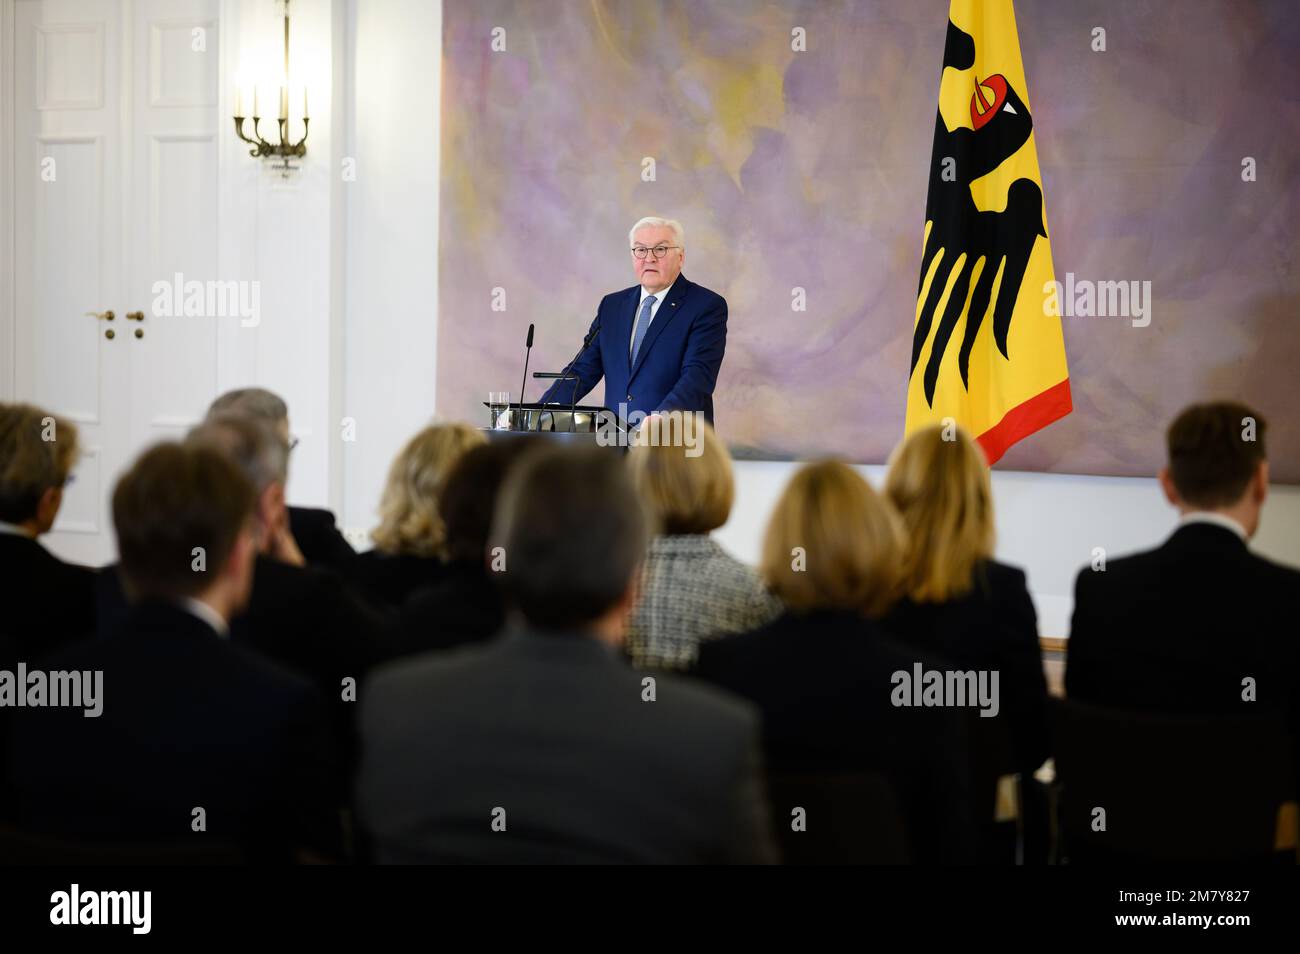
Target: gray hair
x=653, y=221
x=572, y=556
x=252, y=402
x=251, y=444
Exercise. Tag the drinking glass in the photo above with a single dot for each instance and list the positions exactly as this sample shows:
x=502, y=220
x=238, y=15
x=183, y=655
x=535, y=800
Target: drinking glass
x=499, y=408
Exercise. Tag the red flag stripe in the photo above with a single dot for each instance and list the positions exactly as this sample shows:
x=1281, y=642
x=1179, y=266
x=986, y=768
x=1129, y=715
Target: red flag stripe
x=1023, y=419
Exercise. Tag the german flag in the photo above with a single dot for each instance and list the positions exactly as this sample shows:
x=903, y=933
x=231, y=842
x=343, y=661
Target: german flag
x=985, y=353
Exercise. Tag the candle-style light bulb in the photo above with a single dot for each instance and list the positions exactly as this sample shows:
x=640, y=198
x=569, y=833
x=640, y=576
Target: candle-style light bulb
x=256, y=114
x=239, y=100
x=284, y=102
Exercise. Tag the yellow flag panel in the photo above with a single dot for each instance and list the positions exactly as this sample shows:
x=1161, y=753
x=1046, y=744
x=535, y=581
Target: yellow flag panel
x=984, y=350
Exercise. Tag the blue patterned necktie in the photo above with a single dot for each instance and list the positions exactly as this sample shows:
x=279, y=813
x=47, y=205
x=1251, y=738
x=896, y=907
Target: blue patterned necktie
x=642, y=323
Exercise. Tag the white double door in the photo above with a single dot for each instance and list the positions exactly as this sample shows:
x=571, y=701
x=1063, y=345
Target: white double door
x=115, y=188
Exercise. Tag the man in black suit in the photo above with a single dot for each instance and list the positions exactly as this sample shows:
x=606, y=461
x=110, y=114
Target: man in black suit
x=545, y=746
x=303, y=617
x=1199, y=625
x=47, y=603
x=198, y=742
x=313, y=530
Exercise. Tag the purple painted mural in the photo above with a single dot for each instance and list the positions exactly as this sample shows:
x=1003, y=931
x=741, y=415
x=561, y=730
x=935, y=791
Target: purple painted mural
x=807, y=169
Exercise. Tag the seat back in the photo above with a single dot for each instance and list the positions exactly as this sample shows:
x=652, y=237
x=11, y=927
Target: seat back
x=847, y=818
x=1172, y=788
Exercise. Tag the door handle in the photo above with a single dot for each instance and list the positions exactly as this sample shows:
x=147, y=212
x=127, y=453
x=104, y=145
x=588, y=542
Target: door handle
x=102, y=316
x=135, y=316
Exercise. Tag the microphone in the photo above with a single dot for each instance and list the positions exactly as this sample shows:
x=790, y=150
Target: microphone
x=528, y=353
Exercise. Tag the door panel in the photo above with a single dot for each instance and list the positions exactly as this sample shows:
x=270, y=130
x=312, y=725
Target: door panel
x=115, y=167
x=173, y=217
x=67, y=248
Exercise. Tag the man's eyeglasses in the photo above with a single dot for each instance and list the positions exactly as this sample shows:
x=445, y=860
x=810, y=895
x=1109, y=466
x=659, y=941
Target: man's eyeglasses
x=659, y=250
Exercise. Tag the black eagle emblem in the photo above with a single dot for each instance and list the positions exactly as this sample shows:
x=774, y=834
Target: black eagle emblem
x=1003, y=239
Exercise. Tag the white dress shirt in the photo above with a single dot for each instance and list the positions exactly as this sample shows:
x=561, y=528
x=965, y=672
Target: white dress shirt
x=206, y=613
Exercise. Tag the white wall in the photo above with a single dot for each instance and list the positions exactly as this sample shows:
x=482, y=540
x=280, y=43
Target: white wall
x=277, y=231
x=347, y=250
x=390, y=333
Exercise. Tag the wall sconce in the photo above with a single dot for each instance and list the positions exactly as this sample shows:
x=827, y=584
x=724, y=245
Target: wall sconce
x=283, y=153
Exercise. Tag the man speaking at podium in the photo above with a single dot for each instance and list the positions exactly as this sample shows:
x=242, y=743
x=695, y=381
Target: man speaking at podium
x=658, y=344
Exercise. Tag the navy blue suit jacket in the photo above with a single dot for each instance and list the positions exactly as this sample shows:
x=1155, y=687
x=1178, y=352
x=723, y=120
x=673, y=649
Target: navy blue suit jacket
x=677, y=366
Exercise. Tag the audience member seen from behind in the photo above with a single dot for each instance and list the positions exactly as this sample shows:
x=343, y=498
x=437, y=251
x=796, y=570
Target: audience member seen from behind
x=47, y=602
x=466, y=605
x=542, y=745
x=957, y=600
x=1187, y=627
x=410, y=541
x=303, y=617
x=191, y=727
x=691, y=589
x=822, y=672
x=313, y=531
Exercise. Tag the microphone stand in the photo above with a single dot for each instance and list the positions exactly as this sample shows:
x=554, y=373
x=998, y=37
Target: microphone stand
x=528, y=353
x=568, y=368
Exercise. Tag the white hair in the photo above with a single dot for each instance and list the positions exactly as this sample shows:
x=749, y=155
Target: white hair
x=653, y=221
x=250, y=443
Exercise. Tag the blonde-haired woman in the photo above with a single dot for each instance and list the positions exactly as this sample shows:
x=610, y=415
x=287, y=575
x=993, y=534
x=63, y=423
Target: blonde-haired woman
x=409, y=541
x=691, y=589
x=957, y=600
x=822, y=673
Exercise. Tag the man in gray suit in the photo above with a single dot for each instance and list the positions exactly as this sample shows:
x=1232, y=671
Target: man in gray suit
x=546, y=746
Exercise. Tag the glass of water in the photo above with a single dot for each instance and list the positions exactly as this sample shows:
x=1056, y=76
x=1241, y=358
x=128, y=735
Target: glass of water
x=499, y=407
